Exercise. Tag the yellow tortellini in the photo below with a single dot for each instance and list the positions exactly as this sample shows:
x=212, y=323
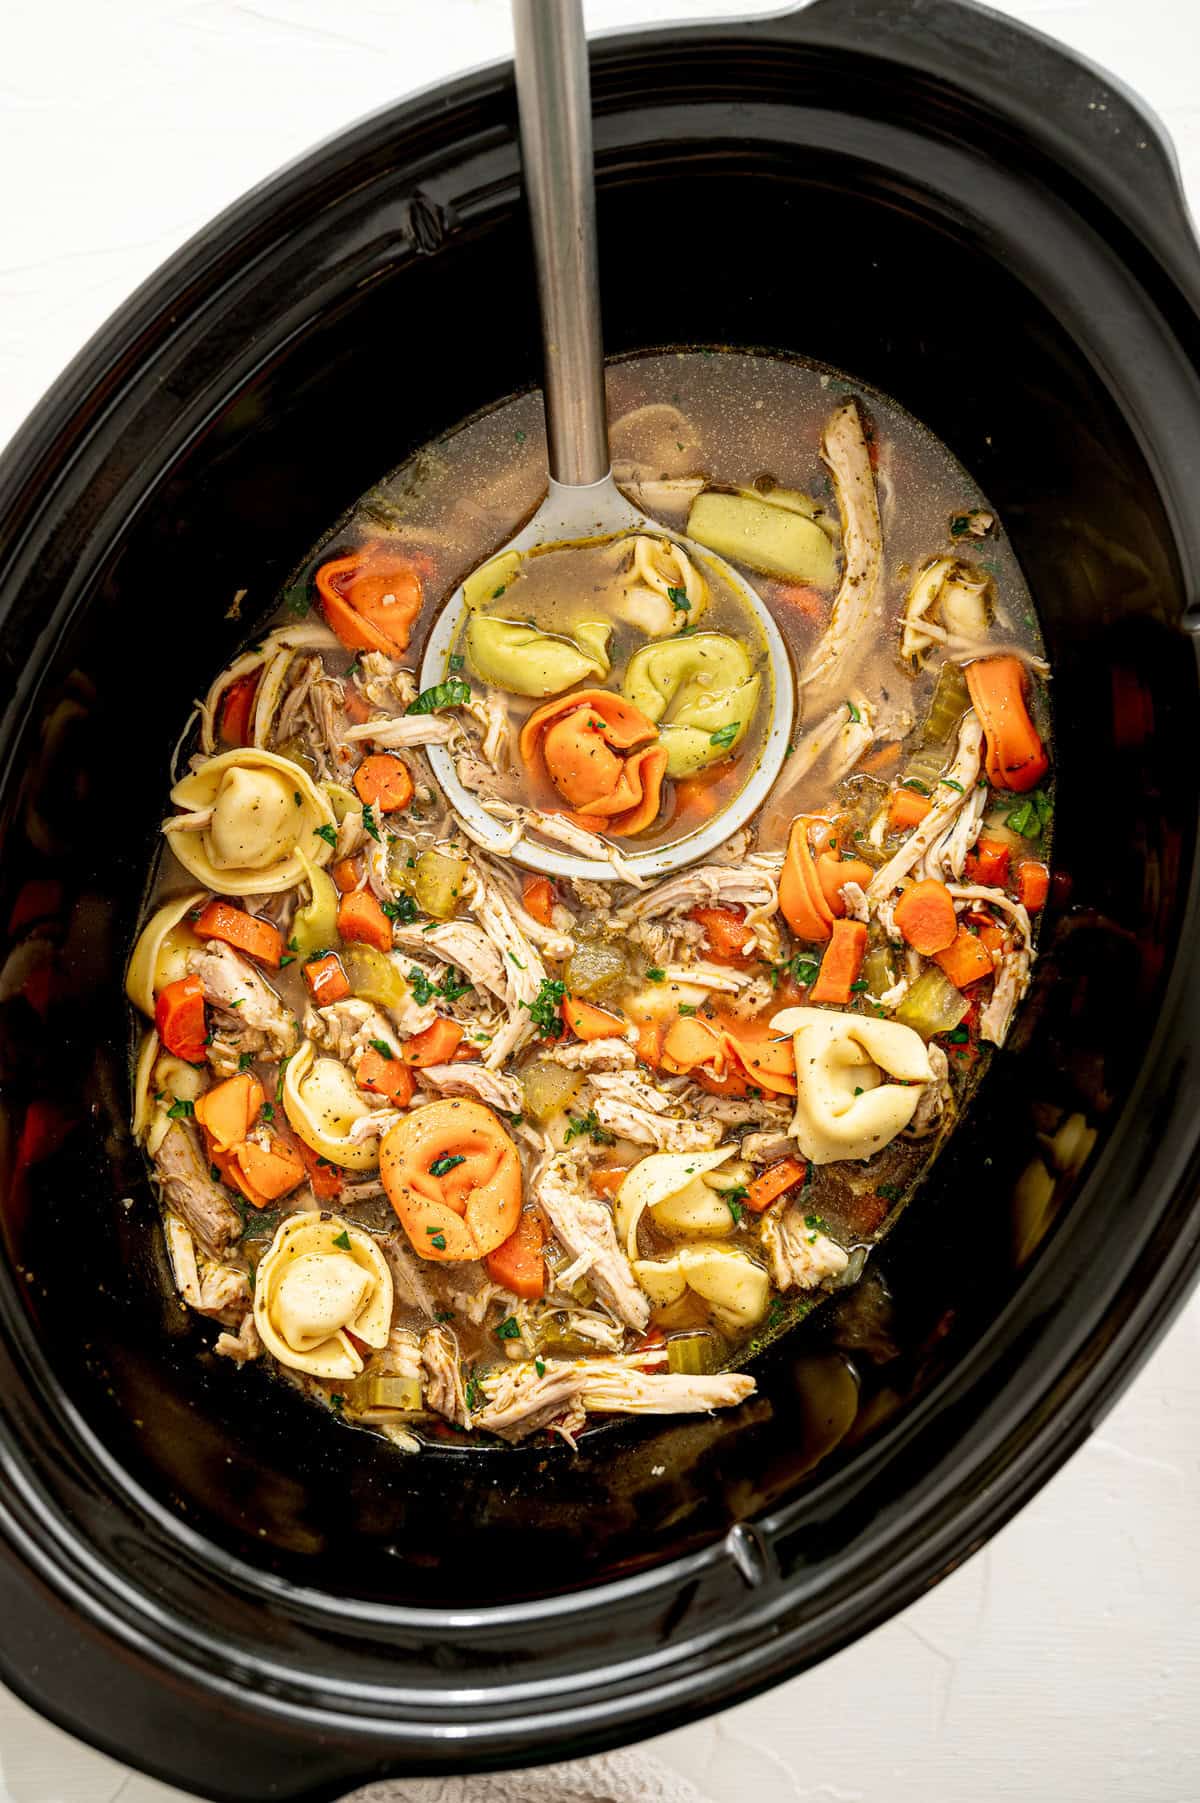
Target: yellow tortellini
x=322, y=1280
x=492, y=579
x=314, y=923
x=736, y=1289
x=322, y=1103
x=701, y=693
x=845, y=1107
x=160, y=955
x=246, y=817
x=519, y=657
x=674, y=1186
x=663, y=591
x=160, y=1079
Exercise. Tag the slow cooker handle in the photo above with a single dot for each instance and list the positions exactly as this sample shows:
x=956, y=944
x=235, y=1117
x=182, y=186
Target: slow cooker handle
x=1087, y=121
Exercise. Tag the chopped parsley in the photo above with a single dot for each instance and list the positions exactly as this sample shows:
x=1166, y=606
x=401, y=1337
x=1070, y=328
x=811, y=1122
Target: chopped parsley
x=369, y=822
x=328, y=833
x=679, y=600
x=454, y=986
x=854, y=713
x=457, y=660
x=214, y=1173
x=296, y=599
x=245, y=1060
x=686, y=1008
x=180, y=1109
x=471, y=1393
x=544, y=1008
x=342, y=1241
x=451, y=693
x=948, y=782
x=382, y=1047
x=404, y=909
x=956, y=1036
x=588, y=1124
x=509, y=1328
x=735, y=1208
x=539, y=1367
x=802, y=969
x=423, y=990
x=448, y=1162
x=857, y=988
x=889, y=1191
x=288, y=958
x=918, y=788
x=516, y=960
x=268, y=1111
x=443, y=1314
x=656, y=974
x=438, y=1240
x=1032, y=816
x=725, y=735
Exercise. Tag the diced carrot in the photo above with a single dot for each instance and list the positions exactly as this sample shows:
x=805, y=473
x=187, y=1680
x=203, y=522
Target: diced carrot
x=587, y=1022
x=883, y=759
x=345, y=874
x=607, y=1179
x=245, y=932
x=517, y=1263
x=801, y=899
x=325, y=1179
x=327, y=980
x=179, y=1017
x=468, y=1052
x=966, y=960
x=988, y=863
x=389, y=1077
x=726, y=931
x=436, y=1045
x=833, y=872
x=906, y=809
x=229, y=1110
x=264, y=1174
x=925, y=916
x=1016, y=757
x=237, y=706
x=538, y=898
x=1033, y=884
x=361, y=921
x=774, y=1182
x=383, y=782
x=841, y=963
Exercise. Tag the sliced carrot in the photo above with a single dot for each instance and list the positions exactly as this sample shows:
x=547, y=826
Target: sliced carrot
x=1016, y=757
x=587, y=1022
x=346, y=875
x=517, y=1263
x=988, y=863
x=883, y=759
x=237, y=706
x=245, y=932
x=607, y=1179
x=325, y=1179
x=725, y=930
x=327, y=980
x=538, y=898
x=994, y=937
x=1033, y=884
x=841, y=963
x=833, y=872
x=361, y=921
x=469, y=1052
x=966, y=960
x=179, y=1017
x=229, y=1110
x=383, y=782
x=906, y=809
x=774, y=1182
x=650, y=1035
x=925, y=916
x=436, y=1045
x=371, y=598
x=389, y=1077
x=264, y=1174
x=801, y=899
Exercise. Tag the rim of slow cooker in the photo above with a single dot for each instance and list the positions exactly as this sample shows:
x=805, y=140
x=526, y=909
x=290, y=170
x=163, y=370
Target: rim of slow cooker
x=1033, y=1444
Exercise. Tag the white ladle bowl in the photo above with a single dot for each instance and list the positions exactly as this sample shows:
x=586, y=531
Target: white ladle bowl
x=599, y=510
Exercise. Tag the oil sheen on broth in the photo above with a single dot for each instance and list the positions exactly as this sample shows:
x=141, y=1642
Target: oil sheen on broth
x=455, y=1148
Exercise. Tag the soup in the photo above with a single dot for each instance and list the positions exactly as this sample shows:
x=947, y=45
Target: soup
x=460, y=1148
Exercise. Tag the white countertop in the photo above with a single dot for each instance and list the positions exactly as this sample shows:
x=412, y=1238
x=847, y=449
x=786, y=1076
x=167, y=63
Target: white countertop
x=1062, y=1662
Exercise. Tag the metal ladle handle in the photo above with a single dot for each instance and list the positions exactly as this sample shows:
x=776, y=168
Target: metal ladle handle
x=554, y=104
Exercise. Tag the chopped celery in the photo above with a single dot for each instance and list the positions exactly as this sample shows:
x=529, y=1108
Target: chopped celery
x=596, y=967
x=298, y=752
x=373, y=976
x=877, y=970
x=548, y=1089
x=438, y=882
x=933, y=1004
x=949, y=703
x=691, y=1354
x=764, y=536
x=388, y=1391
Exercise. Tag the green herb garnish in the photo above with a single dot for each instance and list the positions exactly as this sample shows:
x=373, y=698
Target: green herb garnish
x=656, y=974
x=457, y=661
x=342, y=1241
x=438, y=1240
x=509, y=1329
x=245, y=1060
x=725, y=735
x=382, y=1047
x=918, y=788
x=679, y=601
x=854, y=713
x=448, y=1162
x=404, y=909
x=369, y=822
x=328, y=833
x=544, y=1008
x=539, y=1367
x=451, y=693
x=588, y=1124
x=181, y=1109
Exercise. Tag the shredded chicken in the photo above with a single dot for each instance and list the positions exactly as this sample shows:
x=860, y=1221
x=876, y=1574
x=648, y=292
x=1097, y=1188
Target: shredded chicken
x=412, y=1288
x=470, y=1079
x=959, y=783
x=523, y=969
x=595, y=1055
x=491, y=716
x=233, y=986
x=935, y=1096
x=346, y=1029
x=767, y=1148
x=1012, y=980
x=801, y=1256
x=444, y=1392
x=754, y=886
x=584, y=1228
x=404, y=732
x=835, y=658
x=191, y=1193
x=461, y=945
x=243, y=1346
x=629, y=1106
x=520, y=1400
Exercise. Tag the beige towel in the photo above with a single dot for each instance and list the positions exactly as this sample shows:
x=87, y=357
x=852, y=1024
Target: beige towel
x=621, y=1777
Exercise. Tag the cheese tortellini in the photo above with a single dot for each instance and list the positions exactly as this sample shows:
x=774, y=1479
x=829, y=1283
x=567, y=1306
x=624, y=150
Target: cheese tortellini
x=845, y=1105
x=519, y=657
x=701, y=693
x=736, y=1289
x=246, y=817
x=663, y=591
x=321, y=1281
x=675, y=1186
x=160, y=955
x=322, y=1103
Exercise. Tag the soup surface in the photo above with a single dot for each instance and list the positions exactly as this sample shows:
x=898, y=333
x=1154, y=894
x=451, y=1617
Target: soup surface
x=458, y=1148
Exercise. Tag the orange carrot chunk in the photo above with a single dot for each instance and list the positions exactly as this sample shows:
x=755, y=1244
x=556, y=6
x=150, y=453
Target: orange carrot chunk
x=538, y=897
x=725, y=930
x=345, y=874
x=774, y=1182
x=361, y=921
x=384, y=1076
x=906, y=809
x=517, y=1263
x=587, y=1022
x=327, y=980
x=383, y=782
x=988, y=863
x=1033, y=884
x=966, y=960
x=436, y=1045
x=179, y=1017
x=237, y=706
x=325, y=1179
x=229, y=1110
x=841, y=963
x=1016, y=757
x=925, y=915
x=607, y=1179
x=245, y=932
